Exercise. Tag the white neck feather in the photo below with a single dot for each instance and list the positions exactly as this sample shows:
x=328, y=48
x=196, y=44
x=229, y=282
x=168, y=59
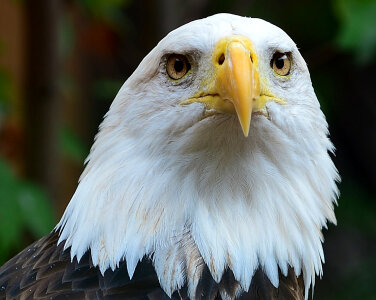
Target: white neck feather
x=196, y=195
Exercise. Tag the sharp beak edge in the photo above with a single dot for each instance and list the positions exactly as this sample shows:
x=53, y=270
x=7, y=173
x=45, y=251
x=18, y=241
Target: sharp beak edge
x=237, y=79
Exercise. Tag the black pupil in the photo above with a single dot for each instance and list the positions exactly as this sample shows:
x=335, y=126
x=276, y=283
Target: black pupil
x=279, y=62
x=178, y=65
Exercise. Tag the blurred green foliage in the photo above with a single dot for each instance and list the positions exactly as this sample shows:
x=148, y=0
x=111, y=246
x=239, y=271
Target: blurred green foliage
x=355, y=283
x=5, y=93
x=25, y=208
x=357, y=208
x=66, y=37
x=358, y=27
x=105, y=89
x=107, y=10
x=72, y=146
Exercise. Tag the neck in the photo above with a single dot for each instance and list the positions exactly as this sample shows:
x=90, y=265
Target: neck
x=218, y=200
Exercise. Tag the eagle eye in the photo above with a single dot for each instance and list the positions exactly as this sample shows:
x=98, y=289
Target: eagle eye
x=281, y=63
x=177, y=66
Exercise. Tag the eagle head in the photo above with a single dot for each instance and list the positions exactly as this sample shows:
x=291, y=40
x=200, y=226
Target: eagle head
x=214, y=153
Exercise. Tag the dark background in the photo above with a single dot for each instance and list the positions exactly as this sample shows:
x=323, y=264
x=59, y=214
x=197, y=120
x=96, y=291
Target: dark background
x=62, y=62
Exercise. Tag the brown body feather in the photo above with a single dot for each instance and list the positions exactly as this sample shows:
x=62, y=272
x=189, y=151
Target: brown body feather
x=45, y=271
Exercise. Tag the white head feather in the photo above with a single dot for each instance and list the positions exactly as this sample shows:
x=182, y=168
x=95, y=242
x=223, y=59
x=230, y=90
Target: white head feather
x=161, y=182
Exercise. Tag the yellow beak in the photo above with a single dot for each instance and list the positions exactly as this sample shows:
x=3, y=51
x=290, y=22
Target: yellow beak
x=238, y=81
x=235, y=86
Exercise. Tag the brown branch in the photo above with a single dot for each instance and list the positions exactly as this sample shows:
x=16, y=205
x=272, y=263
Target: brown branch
x=41, y=101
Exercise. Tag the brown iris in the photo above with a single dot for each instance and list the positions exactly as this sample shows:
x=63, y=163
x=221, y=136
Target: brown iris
x=177, y=66
x=281, y=63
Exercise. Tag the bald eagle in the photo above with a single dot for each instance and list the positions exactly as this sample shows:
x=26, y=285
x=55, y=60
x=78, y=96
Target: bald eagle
x=210, y=178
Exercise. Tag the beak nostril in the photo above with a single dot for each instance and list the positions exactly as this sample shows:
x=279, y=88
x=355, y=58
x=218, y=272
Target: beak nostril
x=221, y=59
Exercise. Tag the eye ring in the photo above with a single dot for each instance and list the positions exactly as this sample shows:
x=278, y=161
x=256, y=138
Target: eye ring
x=281, y=63
x=177, y=66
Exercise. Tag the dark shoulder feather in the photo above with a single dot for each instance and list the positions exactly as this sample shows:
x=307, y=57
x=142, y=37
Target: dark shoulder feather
x=290, y=287
x=44, y=270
